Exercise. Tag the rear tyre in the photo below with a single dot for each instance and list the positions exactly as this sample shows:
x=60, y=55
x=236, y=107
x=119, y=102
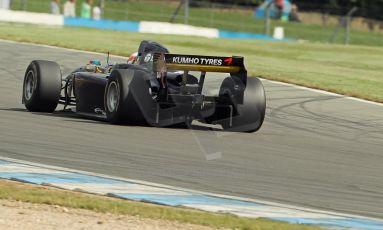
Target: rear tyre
x=42, y=86
x=120, y=105
x=248, y=105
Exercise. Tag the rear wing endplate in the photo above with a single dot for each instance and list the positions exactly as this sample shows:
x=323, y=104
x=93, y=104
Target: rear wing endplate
x=165, y=62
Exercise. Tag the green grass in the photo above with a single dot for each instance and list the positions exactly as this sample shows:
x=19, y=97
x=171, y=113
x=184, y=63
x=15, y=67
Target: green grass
x=349, y=70
x=237, y=20
x=44, y=195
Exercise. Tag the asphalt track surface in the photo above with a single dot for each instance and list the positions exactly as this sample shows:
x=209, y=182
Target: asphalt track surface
x=314, y=150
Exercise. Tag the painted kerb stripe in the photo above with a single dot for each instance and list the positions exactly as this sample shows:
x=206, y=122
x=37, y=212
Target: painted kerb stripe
x=177, y=197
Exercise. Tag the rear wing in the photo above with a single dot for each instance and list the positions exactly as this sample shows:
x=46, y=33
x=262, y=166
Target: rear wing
x=164, y=62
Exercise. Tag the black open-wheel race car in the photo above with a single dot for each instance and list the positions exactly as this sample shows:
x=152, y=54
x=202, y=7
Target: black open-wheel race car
x=156, y=88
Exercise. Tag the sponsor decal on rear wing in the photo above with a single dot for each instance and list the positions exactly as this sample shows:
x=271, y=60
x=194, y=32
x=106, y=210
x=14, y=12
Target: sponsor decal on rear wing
x=197, y=63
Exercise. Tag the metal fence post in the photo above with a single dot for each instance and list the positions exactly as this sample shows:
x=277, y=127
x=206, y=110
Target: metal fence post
x=267, y=18
x=176, y=11
x=186, y=19
x=25, y=5
x=102, y=5
x=348, y=24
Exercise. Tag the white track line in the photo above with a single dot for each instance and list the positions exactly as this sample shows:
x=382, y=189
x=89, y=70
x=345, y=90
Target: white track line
x=60, y=48
x=323, y=92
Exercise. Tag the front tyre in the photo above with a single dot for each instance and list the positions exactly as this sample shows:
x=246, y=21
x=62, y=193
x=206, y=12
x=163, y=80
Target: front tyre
x=42, y=86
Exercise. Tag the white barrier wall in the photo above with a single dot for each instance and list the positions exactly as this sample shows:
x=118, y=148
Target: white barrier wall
x=31, y=18
x=177, y=29
x=4, y=4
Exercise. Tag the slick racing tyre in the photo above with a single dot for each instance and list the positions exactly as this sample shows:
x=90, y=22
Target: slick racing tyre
x=246, y=104
x=120, y=104
x=42, y=86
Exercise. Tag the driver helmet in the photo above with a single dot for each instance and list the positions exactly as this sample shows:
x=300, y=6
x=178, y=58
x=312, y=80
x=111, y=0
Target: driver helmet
x=95, y=62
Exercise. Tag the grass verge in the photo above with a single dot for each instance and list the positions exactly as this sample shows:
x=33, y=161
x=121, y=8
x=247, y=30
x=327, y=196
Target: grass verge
x=46, y=195
x=349, y=70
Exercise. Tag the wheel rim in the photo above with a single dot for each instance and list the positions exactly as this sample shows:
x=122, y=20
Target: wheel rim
x=29, y=85
x=113, y=97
